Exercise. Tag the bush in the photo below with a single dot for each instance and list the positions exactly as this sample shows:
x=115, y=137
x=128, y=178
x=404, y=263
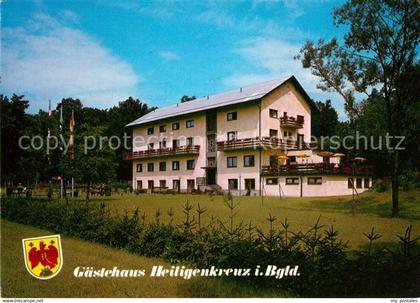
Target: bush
x=324, y=265
x=381, y=186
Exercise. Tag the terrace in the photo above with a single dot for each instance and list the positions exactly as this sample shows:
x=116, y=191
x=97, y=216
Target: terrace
x=315, y=168
x=162, y=152
x=292, y=122
x=257, y=142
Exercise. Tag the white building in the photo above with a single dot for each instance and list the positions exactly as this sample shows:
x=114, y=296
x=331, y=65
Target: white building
x=252, y=140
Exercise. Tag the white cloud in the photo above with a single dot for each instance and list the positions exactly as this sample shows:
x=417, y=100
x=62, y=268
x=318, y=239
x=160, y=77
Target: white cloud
x=47, y=59
x=223, y=19
x=270, y=58
x=168, y=56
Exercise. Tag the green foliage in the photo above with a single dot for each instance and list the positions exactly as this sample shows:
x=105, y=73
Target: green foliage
x=324, y=264
x=325, y=120
x=30, y=166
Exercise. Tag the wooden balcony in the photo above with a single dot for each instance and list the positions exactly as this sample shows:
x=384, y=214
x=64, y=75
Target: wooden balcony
x=316, y=168
x=263, y=142
x=162, y=152
x=292, y=122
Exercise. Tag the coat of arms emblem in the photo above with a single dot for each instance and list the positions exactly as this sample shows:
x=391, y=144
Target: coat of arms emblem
x=43, y=256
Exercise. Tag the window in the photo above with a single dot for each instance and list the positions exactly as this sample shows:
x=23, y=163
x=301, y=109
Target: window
x=190, y=164
x=315, y=180
x=350, y=183
x=139, y=184
x=249, y=161
x=150, y=184
x=232, y=116
x=189, y=123
x=162, y=166
x=299, y=119
x=176, y=184
x=162, y=144
x=150, y=131
x=274, y=133
x=232, y=162
x=232, y=184
x=190, y=141
x=162, y=183
x=175, y=165
x=151, y=145
x=273, y=113
x=359, y=183
x=272, y=181
x=231, y=136
x=367, y=183
x=175, y=143
x=285, y=134
x=150, y=167
x=139, y=167
x=249, y=184
x=162, y=128
x=292, y=159
x=175, y=126
x=292, y=181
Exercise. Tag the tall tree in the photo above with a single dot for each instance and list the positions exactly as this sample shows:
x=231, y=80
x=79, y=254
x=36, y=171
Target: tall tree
x=14, y=121
x=118, y=117
x=378, y=48
x=325, y=120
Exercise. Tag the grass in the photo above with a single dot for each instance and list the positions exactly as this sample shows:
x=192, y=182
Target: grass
x=371, y=209
x=17, y=282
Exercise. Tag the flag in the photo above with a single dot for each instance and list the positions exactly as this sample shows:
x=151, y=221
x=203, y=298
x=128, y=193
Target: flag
x=49, y=109
x=72, y=123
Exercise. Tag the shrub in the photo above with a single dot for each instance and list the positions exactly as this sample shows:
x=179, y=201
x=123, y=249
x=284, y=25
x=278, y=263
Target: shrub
x=324, y=264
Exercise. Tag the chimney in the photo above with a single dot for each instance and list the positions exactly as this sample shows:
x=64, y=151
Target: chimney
x=240, y=89
x=207, y=97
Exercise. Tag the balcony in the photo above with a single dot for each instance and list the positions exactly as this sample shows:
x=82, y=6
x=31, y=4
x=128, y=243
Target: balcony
x=292, y=122
x=316, y=168
x=263, y=142
x=162, y=152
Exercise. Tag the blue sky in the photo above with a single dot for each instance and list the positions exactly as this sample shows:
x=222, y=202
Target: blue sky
x=104, y=51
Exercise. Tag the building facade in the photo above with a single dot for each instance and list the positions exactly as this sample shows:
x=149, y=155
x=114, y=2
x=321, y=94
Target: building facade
x=249, y=141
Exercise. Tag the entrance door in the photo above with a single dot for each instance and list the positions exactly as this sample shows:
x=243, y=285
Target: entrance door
x=176, y=185
x=211, y=175
x=190, y=185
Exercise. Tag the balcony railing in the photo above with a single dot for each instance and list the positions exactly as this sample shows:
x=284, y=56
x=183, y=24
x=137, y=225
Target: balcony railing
x=315, y=168
x=292, y=122
x=265, y=142
x=161, y=152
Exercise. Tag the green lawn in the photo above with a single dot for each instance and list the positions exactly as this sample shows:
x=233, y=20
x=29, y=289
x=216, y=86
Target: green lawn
x=17, y=282
x=371, y=209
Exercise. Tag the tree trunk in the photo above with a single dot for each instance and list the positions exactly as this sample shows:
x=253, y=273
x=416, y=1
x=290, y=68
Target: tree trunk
x=395, y=169
x=88, y=191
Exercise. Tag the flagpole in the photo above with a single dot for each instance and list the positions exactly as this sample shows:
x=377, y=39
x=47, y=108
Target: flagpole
x=72, y=187
x=61, y=148
x=71, y=155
